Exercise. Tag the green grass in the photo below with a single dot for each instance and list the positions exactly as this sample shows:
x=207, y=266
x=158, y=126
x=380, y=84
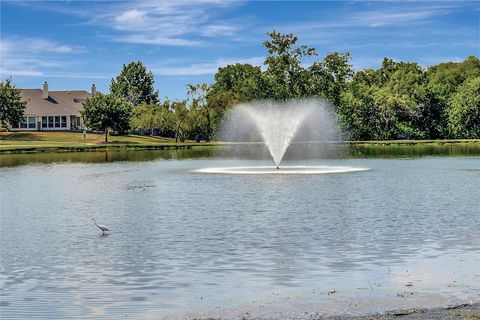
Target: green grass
x=12, y=142
x=414, y=142
x=73, y=141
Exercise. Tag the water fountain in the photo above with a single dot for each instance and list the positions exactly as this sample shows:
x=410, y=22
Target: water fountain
x=277, y=124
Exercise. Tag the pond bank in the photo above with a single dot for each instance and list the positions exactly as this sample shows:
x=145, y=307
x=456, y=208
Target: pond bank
x=452, y=311
x=41, y=142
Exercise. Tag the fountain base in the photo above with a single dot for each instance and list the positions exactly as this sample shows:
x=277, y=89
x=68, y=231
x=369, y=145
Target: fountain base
x=285, y=170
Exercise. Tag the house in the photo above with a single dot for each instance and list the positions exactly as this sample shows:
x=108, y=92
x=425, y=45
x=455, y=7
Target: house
x=52, y=110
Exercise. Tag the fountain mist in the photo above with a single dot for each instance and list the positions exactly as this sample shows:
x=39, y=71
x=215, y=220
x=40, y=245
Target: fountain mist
x=278, y=124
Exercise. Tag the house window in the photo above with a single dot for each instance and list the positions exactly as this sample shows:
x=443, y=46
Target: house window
x=78, y=122
x=44, y=122
x=57, y=121
x=23, y=124
x=31, y=123
x=64, y=122
x=50, y=122
x=15, y=125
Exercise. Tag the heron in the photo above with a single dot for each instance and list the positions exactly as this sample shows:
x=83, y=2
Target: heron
x=99, y=226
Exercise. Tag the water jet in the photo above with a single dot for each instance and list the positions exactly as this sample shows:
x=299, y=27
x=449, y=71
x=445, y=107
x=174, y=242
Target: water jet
x=278, y=125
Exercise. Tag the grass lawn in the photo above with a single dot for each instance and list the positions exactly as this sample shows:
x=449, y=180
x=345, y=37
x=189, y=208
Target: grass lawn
x=41, y=141
x=38, y=141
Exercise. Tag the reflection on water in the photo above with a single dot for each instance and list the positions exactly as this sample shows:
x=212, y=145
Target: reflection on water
x=184, y=241
x=103, y=156
x=269, y=170
x=255, y=151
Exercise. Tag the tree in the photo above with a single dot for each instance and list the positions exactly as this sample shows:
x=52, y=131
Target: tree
x=105, y=112
x=445, y=78
x=149, y=117
x=358, y=115
x=464, y=113
x=385, y=103
x=286, y=76
x=243, y=82
x=135, y=84
x=11, y=105
x=179, y=119
x=330, y=77
x=443, y=81
x=208, y=106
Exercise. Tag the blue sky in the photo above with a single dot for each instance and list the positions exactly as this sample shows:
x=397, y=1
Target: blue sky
x=73, y=44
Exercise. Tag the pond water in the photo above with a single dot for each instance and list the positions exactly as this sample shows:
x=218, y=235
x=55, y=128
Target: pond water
x=185, y=243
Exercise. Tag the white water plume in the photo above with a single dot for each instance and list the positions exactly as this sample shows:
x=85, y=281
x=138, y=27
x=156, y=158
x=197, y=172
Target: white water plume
x=277, y=126
x=279, y=123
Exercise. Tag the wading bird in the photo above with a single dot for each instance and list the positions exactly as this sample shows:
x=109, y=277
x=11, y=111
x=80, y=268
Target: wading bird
x=99, y=226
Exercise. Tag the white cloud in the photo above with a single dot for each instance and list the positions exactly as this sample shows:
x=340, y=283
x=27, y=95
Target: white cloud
x=169, y=23
x=388, y=14
x=78, y=75
x=5, y=73
x=24, y=56
x=219, y=29
x=395, y=16
x=204, y=68
x=131, y=16
x=35, y=45
x=156, y=40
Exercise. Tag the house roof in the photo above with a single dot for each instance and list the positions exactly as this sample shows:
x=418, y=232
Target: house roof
x=58, y=102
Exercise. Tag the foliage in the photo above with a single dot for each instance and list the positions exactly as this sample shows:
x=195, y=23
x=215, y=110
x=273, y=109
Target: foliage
x=239, y=83
x=330, y=77
x=464, y=112
x=398, y=100
x=149, y=117
x=285, y=75
x=207, y=113
x=135, y=83
x=11, y=104
x=179, y=119
x=402, y=99
x=105, y=112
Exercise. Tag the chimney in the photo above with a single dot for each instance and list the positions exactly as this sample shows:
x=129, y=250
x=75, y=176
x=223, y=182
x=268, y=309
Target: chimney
x=94, y=90
x=45, y=90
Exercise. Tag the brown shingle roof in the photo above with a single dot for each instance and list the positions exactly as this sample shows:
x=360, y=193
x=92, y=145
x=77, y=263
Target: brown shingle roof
x=58, y=102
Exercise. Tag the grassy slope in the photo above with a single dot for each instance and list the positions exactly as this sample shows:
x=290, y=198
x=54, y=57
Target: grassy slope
x=58, y=140
x=73, y=141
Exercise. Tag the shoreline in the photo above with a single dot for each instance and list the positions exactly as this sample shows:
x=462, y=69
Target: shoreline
x=422, y=306
x=457, y=311
x=72, y=142
x=349, y=309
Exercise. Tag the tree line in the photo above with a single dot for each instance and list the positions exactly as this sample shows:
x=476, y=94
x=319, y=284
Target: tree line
x=398, y=100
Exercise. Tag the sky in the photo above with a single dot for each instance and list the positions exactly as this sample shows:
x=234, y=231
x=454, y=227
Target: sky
x=73, y=44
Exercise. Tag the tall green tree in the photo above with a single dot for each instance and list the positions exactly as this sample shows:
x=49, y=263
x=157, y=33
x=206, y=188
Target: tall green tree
x=464, y=113
x=150, y=117
x=286, y=76
x=11, y=105
x=357, y=112
x=445, y=78
x=106, y=112
x=135, y=84
x=330, y=77
x=386, y=103
x=243, y=82
x=209, y=106
x=443, y=81
x=179, y=119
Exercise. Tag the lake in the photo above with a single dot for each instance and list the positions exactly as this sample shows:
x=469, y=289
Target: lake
x=185, y=244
